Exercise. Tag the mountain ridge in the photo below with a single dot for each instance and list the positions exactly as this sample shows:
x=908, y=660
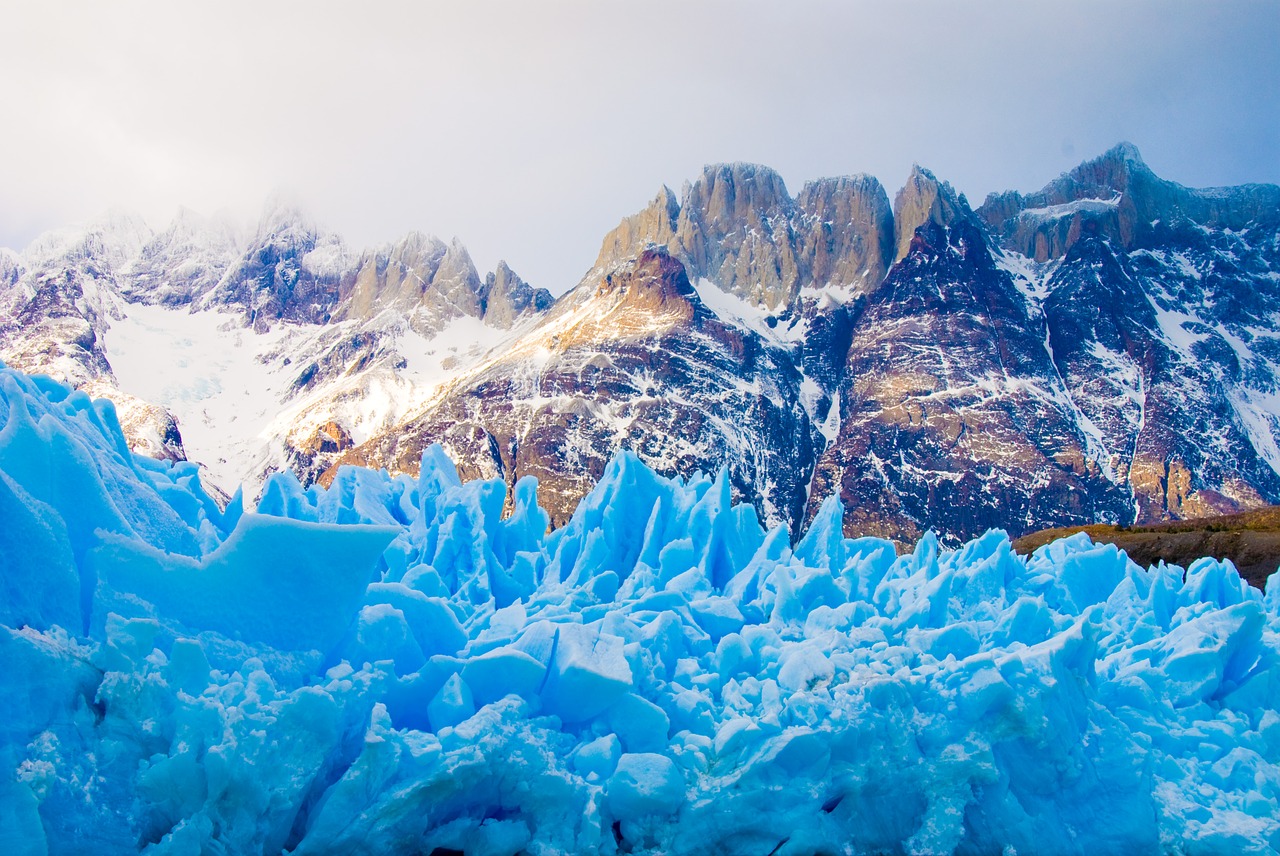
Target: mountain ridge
x=1101, y=350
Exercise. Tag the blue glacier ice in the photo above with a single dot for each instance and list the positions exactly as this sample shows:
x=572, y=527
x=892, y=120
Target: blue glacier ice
x=404, y=665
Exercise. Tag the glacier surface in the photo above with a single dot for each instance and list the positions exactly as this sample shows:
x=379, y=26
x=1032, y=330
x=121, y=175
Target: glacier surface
x=409, y=665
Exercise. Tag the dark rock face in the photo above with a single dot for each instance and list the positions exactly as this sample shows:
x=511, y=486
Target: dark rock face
x=313, y=456
x=1141, y=400
x=952, y=419
x=290, y=272
x=1165, y=388
x=634, y=361
x=844, y=232
x=920, y=363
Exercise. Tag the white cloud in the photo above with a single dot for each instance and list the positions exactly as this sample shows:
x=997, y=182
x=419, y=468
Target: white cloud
x=528, y=130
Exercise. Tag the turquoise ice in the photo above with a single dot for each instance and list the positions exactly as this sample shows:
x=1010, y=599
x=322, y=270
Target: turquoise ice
x=401, y=664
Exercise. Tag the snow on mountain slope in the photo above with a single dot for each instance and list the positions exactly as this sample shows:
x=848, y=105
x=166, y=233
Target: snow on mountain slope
x=273, y=352
x=236, y=392
x=1103, y=349
x=1089, y=368
x=182, y=263
x=394, y=665
x=631, y=360
x=212, y=377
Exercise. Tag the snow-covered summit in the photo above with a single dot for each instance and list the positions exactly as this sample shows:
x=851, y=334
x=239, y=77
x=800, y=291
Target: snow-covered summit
x=107, y=242
x=181, y=264
x=115, y=307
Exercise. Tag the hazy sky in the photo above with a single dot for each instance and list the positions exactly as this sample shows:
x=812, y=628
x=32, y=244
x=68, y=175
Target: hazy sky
x=529, y=129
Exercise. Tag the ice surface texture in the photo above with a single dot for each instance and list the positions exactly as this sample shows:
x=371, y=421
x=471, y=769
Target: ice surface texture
x=394, y=666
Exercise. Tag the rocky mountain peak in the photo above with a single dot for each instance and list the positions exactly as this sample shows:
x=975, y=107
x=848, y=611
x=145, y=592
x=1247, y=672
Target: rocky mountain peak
x=105, y=244
x=457, y=281
x=187, y=222
x=508, y=298
x=291, y=270
x=191, y=226
x=1117, y=196
x=283, y=215
x=654, y=224
x=182, y=263
x=1127, y=151
x=635, y=298
x=1117, y=171
x=921, y=201
x=11, y=267
x=840, y=197
x=654, y=284
x=285, y=231
x=416, y=251
x=735, y=229
x=729, y=195
x=851, y=240
x=393, y=276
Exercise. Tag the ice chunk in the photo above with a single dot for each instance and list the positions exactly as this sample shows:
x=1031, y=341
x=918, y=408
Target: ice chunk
x=598, y=759
x=719, y=616
x=39, y=581
x=432, y=621
x=45, y=676
x=587, y=673
x=659, y=675
x=640, y=724
x=644, y=784
x=382, y=633
x=803, y=668
x=452, y=705
x=290, y=585
x=1089, y=576
x=502, y=672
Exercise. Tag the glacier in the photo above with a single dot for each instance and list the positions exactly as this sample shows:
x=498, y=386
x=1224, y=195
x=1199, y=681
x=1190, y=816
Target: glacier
x=417, y=665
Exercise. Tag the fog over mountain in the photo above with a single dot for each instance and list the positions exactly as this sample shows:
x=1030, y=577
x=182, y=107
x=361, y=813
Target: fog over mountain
x=524, y=129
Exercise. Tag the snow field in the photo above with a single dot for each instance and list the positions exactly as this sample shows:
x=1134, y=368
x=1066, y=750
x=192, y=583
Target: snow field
x=392, y=666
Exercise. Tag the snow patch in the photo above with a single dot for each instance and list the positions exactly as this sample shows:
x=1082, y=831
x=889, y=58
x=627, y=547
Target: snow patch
x=1069, y=209
x=734, y=310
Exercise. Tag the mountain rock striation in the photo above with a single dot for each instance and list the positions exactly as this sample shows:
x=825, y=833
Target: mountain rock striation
x=1103, y=350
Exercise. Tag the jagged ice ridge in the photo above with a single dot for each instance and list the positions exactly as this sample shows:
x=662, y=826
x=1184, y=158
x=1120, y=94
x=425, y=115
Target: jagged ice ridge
x=390, y=665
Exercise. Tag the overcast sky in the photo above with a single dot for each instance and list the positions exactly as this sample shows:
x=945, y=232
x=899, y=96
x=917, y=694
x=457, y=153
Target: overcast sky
x=529, y=129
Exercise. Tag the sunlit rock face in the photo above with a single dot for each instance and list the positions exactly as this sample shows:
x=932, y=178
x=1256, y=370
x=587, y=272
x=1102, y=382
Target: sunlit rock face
x=632, y=360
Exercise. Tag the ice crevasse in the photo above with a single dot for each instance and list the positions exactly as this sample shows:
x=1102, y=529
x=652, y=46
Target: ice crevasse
x=393, y=665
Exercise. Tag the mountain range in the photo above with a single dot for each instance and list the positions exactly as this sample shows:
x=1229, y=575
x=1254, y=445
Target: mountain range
x=1103, y=350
